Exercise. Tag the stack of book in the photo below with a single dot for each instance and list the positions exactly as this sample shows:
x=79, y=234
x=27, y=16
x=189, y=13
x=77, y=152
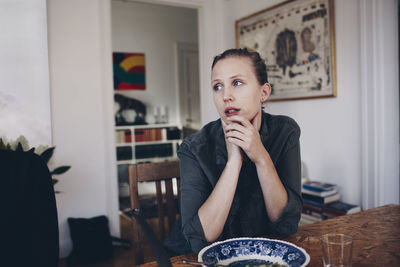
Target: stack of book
x=322, y=201
x=157, y=134
x=150, y=134
x=124, y=153
x=154, y=151
x=123, y=136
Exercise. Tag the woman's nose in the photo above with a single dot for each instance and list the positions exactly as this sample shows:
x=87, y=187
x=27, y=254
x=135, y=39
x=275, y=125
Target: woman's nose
x=228, y=96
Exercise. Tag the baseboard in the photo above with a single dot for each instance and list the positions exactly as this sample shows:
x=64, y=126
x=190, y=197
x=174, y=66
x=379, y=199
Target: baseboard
x=65, y=248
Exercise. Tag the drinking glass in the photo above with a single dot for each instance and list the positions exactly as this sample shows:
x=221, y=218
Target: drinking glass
x=337, y=250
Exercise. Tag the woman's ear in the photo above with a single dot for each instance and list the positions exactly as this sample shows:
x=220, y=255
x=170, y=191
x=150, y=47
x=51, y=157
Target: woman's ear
x=265, y=92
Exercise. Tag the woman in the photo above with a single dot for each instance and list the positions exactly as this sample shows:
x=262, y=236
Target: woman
x=240, y=174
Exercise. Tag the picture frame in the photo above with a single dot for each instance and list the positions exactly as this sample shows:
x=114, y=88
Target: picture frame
x=129, y=71
x=297, y=41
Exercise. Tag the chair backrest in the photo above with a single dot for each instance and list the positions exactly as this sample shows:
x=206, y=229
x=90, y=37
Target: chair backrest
x=157, y=172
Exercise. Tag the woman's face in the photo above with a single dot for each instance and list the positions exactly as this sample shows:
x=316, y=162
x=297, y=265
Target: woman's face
x=237, y=90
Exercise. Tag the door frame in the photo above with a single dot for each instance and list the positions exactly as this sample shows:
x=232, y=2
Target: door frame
x=210, y=42
x=181, y=49
x=380, y=182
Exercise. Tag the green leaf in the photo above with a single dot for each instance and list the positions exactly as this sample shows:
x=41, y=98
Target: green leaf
x=2, y=144
x=19, y=148
x=60, y=170
x=54, y=181
x=47, y=154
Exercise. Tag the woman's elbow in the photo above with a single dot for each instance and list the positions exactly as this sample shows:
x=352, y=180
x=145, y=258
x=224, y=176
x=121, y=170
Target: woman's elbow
x=211, y=237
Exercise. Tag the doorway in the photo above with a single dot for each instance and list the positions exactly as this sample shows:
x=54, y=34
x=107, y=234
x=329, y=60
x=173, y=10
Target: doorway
x=189, y=90
x=156, y=31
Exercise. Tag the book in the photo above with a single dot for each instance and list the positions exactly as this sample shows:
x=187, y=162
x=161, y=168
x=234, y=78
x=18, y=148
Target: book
x=320, y=211
x=342, y=207
x=305, y=221
x=120, y=138
x=319, y=186
x=311, y=218
x=153, y=151
x=320, y=201
x=128, y=136
x=139, y=135
x=312, y=210
x=309, y=209
x=173, y=133
x=124, y=153
x=319, y=193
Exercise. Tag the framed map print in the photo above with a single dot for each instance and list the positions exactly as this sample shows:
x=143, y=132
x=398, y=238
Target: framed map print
x=296, y=40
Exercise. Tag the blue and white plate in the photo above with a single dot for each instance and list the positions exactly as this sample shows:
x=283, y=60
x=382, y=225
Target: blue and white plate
x=254, y=251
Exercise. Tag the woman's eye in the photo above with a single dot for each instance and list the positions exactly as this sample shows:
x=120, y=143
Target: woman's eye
x=237, y=83
x=217, y=87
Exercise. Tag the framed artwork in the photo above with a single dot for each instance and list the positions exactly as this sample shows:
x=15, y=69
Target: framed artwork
x=129, y=71
x=297, y=41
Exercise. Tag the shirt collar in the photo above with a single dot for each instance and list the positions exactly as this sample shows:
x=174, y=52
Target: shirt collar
x=264, y=127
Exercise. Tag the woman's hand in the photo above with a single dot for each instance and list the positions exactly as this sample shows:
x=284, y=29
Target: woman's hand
x=214, y=211
x=244, y=134
x=234, y=152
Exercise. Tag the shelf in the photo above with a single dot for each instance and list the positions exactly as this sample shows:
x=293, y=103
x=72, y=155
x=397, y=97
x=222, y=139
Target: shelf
x=135, y=161
x=155, y=142
x=145, y=126
x=148, y=143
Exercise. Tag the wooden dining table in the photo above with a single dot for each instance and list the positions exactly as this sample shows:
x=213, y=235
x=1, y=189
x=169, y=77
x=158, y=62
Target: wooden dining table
x=376, y=235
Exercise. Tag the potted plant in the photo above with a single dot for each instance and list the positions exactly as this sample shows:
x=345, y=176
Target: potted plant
x=21, y=144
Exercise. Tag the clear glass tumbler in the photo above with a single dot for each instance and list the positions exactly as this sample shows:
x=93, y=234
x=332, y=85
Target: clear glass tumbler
x=337, y=250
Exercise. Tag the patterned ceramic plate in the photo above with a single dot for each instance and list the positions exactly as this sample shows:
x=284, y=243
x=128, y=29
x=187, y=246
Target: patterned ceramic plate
x=254, y=251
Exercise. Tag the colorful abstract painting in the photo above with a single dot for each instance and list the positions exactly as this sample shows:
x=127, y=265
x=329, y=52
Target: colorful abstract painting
x=129, y=71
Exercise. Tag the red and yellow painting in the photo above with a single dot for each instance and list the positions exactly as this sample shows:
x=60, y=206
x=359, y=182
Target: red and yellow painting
x=129, y=71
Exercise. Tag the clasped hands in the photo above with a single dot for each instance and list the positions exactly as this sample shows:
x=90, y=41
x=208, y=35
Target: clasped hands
x=241, y=134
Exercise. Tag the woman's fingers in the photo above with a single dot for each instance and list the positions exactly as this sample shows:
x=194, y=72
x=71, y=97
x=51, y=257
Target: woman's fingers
x=241, y=120
x=241, y=132
x=244, y=134
x=236, y=142
x=239, y=137
x=235, y=127
x=233, y=150
x=239, y=125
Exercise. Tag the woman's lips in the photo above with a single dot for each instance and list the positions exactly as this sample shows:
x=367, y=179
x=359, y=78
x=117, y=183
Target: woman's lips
x=231, y=111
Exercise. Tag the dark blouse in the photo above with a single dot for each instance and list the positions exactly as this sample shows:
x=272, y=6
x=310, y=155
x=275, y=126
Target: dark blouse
x=203, y=157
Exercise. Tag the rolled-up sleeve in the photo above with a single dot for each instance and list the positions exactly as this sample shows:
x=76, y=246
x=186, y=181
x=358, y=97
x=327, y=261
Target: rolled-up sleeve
x=195, y=189
x=289, y=171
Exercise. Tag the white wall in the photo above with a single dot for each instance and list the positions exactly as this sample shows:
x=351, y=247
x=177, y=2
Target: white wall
x=331, y=132
x=82, y=111
x=24, y=72
x=154, y=30
x=331, y=127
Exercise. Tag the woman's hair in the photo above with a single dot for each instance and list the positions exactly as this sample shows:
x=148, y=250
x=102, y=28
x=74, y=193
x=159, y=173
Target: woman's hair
x=260, y=68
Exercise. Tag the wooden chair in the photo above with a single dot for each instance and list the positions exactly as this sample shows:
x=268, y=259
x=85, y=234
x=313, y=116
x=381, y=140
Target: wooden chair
x=157, y=172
